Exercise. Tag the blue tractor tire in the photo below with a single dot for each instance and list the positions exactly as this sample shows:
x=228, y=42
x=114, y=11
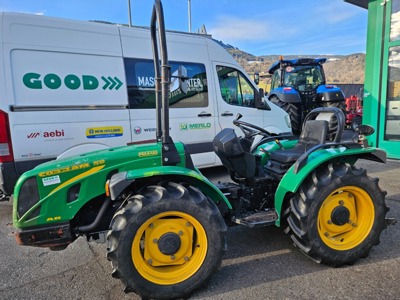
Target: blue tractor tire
x=294, y=112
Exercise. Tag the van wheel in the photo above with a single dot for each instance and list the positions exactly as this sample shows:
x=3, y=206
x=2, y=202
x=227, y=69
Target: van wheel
x=338, y=214
x=293, y=111
x=167, y=241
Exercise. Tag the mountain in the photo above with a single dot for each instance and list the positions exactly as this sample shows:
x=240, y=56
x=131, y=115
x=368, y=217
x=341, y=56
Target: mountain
x=347, y=69
x=338, y=68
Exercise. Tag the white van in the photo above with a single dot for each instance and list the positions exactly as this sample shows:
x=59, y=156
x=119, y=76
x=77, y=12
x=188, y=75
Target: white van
x=68, y=87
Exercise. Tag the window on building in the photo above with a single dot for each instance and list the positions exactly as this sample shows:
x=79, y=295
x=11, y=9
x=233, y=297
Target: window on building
x=393, y=96
x=140, y=81
x=235, y=88
x=395, y=21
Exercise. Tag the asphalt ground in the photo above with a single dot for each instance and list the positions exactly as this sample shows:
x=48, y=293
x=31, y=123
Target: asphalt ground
x=259, y=264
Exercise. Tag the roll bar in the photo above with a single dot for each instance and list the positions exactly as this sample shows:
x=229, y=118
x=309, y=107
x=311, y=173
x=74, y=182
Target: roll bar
x=162, y=72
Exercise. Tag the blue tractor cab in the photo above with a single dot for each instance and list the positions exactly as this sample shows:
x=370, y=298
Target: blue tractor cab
x=298, y=86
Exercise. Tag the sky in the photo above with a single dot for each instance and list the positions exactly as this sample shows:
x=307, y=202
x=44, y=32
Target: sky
x=259, y=27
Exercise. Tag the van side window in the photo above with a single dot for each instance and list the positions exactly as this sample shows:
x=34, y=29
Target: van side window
x=140, y=82
x=235, y=88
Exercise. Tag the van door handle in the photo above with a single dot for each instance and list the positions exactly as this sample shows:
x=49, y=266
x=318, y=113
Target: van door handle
x=227, y=114
x=204, y=115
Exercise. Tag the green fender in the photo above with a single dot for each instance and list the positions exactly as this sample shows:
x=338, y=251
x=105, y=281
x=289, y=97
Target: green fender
x=121, y=180
x=291, y=181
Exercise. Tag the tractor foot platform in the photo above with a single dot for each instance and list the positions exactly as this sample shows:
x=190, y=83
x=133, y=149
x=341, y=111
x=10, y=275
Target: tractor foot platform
x=257, y=219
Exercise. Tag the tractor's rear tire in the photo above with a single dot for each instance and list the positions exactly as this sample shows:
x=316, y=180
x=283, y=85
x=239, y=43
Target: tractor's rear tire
x=293, y=111
x=333, y=124
x=357, y=121
x=166, y=241
x=338, y=214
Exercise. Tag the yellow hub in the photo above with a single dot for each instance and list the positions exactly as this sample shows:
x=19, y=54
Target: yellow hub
x=346, y=218
x=169, y=248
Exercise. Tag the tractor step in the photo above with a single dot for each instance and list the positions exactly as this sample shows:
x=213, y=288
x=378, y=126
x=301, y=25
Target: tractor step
x=257, y=219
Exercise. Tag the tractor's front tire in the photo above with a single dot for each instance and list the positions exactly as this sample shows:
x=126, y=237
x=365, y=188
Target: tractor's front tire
x=293, y=111
x=166, y=241
x=338, y=214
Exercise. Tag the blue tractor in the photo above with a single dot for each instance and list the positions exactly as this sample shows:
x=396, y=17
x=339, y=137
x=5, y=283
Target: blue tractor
x=298, y=86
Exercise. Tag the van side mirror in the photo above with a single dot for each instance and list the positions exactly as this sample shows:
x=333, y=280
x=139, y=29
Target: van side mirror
x=259, y=100
x=256, y=78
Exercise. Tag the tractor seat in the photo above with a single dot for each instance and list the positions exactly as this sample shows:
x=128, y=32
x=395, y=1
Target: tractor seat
x=313, y=134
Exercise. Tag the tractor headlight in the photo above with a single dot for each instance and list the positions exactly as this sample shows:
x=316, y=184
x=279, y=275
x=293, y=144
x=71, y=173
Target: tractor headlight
x=28, y=197
x=287, y=119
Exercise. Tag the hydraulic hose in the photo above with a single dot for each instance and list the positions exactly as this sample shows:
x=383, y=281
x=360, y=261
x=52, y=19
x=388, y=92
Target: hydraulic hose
x=95, y=223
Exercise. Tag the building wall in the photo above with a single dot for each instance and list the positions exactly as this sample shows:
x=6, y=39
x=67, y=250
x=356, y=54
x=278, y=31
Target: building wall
x=382, y=76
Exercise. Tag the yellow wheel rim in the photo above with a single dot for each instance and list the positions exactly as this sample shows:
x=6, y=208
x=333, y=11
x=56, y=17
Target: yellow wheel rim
x=169, y=248
x=345, y=218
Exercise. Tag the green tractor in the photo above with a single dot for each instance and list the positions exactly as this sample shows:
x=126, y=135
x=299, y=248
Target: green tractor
x=165, y=223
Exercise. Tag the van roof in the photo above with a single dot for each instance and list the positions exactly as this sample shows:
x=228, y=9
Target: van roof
x=100, y=22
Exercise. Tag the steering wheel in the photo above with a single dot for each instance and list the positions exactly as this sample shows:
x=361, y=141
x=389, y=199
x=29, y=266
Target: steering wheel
x=251, y=130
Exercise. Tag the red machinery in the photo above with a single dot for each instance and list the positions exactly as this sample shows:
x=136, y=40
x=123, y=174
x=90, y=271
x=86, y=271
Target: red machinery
x=354, y=109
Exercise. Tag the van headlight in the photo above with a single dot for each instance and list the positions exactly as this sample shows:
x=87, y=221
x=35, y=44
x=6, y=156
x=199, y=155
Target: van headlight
x=287, y=119
x=28, y=196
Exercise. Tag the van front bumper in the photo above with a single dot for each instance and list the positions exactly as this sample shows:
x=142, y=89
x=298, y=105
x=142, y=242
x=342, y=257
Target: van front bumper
x=10, y=172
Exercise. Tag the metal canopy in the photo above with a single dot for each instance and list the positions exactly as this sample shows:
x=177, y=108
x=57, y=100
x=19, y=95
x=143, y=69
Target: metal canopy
x=360, y=3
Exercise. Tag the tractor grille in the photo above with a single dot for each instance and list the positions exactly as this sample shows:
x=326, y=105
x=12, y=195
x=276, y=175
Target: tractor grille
x=309, y=100
x=28, y=197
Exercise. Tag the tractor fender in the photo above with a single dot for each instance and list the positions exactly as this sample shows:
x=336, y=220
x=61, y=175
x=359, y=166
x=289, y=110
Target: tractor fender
x=120, y=181
x=330, y=93
x=291, y=181
x=287, y=96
